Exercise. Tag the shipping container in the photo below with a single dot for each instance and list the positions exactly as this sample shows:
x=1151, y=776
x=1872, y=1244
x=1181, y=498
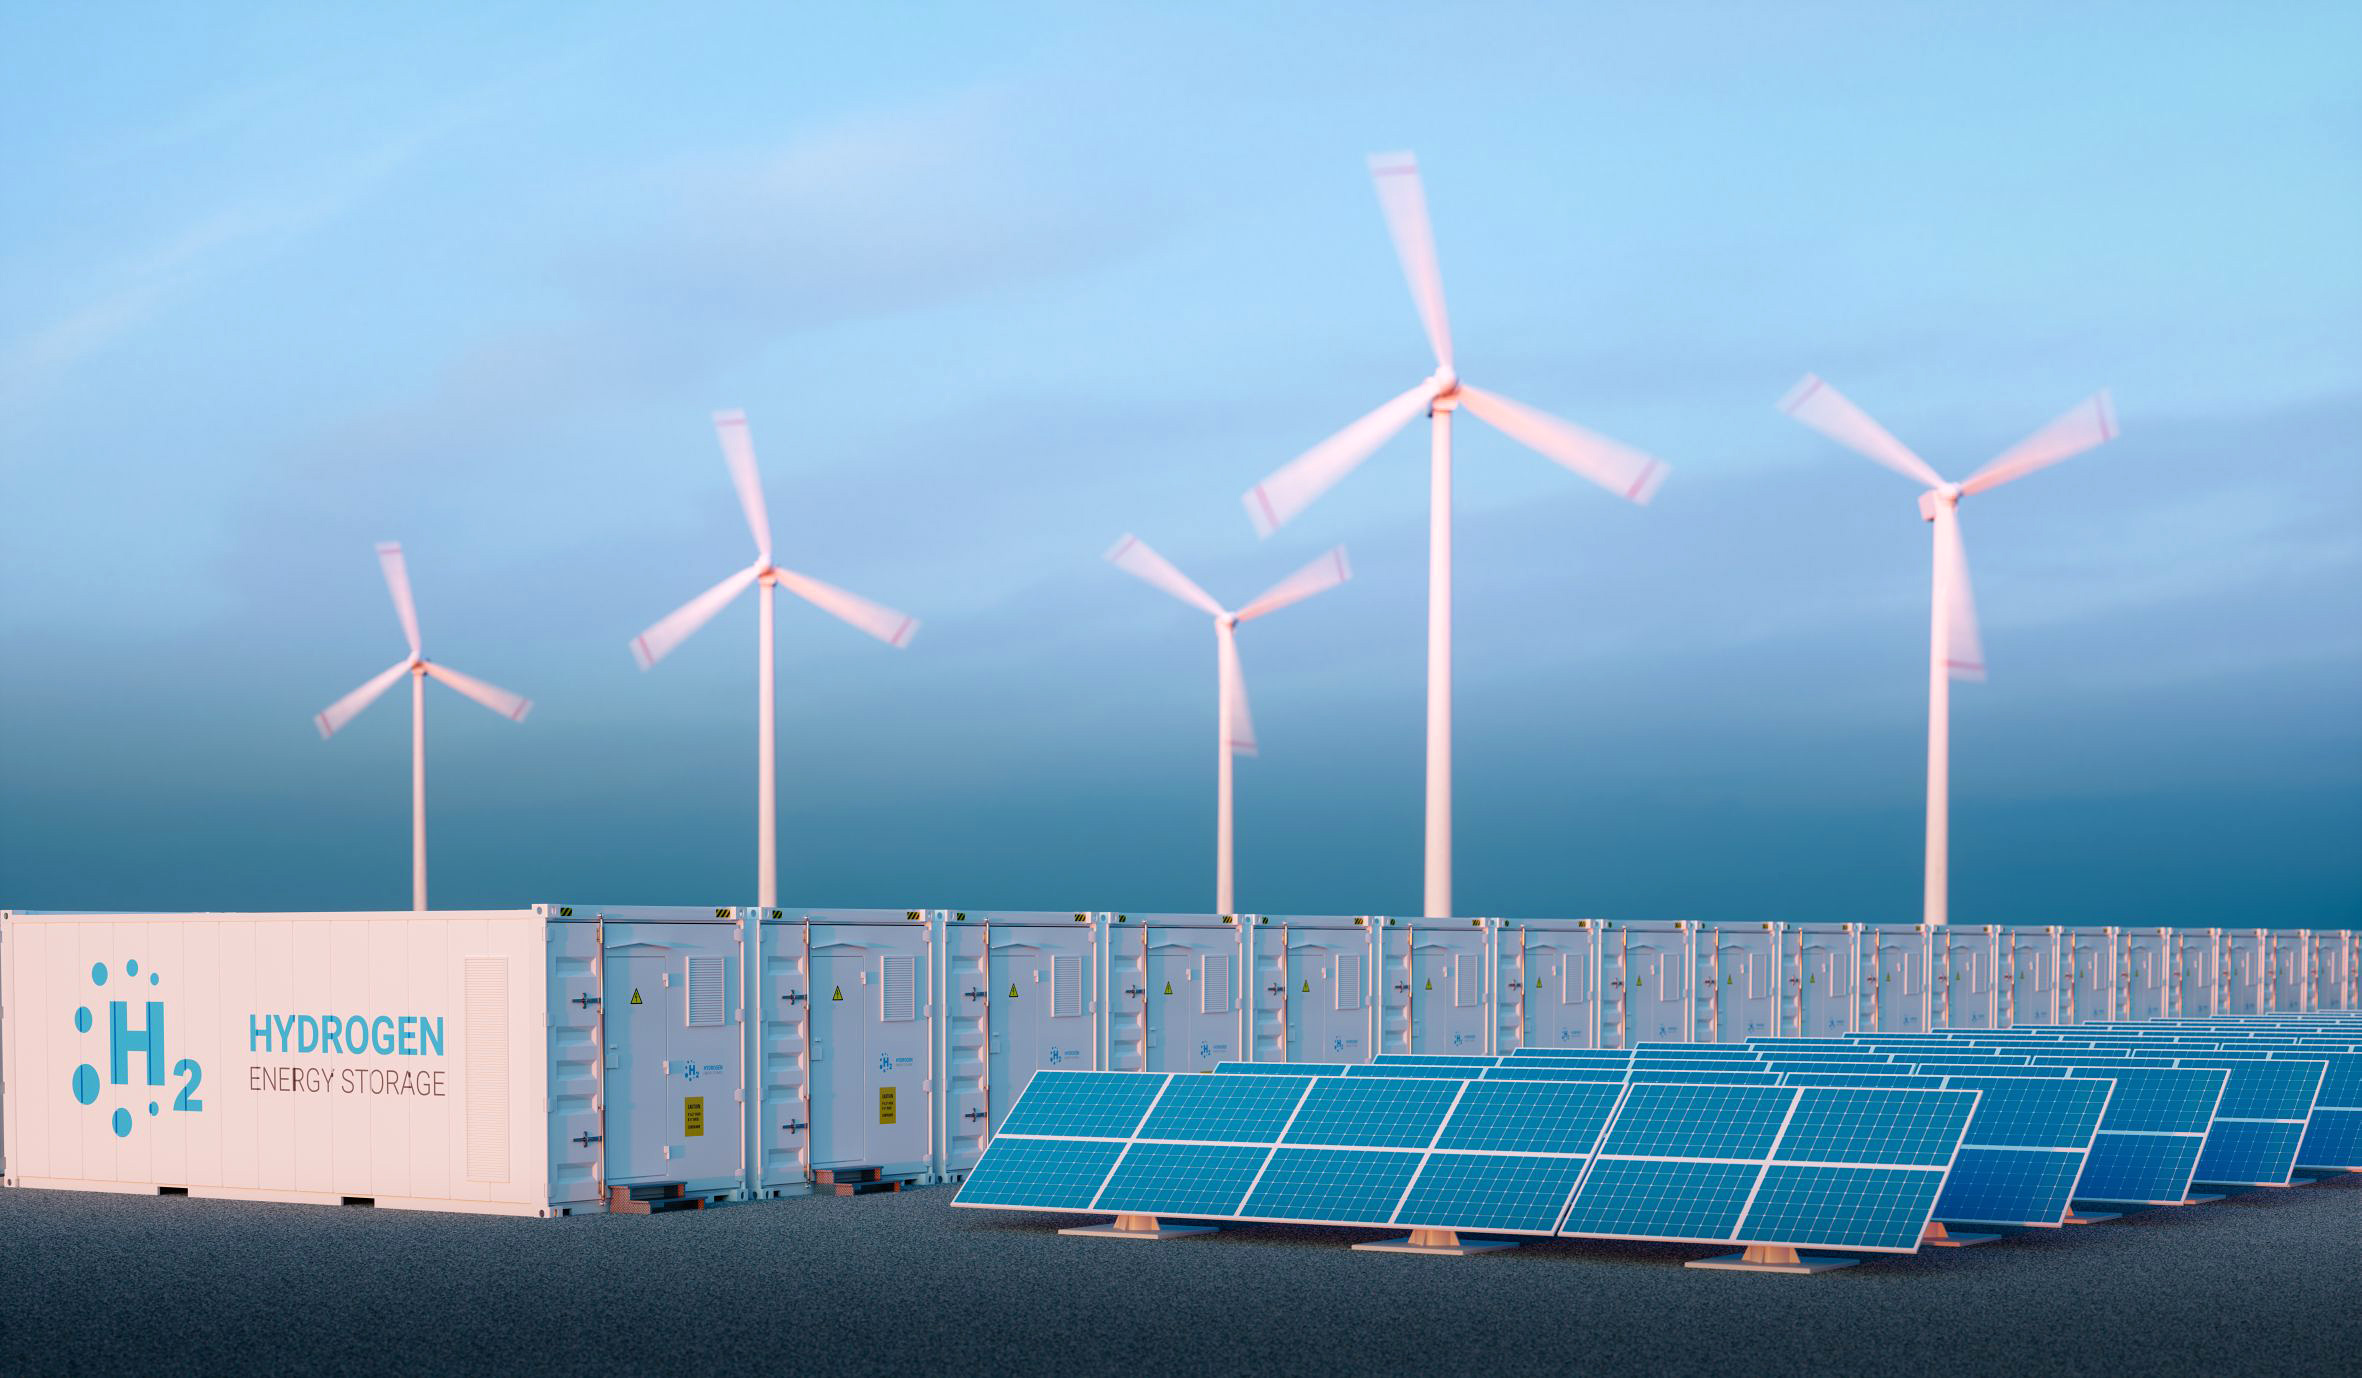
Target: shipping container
x=1548, y=980
x=1740, y=984
x=515, y=1061
x=1022, y=991
x=2247, y=971
x=1897, y=981
x=1967, y=962
x=1434, y=985
x=1646, y=975
x=2088, y=992
x=1309, y=987
x=1175, y=1003
x=2030, y=978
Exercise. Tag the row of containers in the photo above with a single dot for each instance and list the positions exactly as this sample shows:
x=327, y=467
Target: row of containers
x=543, y=1060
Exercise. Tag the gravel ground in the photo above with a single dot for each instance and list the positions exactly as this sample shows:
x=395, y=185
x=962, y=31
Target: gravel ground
x=2265, y=1283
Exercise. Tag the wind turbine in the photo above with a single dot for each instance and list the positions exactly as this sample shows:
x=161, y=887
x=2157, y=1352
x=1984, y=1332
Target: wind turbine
x=1954, y=649
x=418, y=667
x=1234, y=730
x=652, y=645
x=1621, y=470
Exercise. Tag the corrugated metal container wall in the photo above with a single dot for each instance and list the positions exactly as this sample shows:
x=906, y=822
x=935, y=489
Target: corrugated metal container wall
x=452, y=1061
x=1645, y=974
x=1308, y=987
x=1548, y=984
x=1021, y=992
x=1173, y=992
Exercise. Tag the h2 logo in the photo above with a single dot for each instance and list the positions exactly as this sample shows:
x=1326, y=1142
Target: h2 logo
x=123, y=1040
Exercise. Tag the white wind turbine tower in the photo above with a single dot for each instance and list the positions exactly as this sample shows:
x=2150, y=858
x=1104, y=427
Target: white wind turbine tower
x=652, y=645
x=1618, y=468
x=1235, y=730
x=418, y=667
x=1954, y=649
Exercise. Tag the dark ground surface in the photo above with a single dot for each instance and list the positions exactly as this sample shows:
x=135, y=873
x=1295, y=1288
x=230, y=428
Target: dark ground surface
x=2266, y=1283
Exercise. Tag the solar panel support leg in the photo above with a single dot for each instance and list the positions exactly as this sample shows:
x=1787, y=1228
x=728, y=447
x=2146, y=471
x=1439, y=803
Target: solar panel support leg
x=1446, y=1243
x=1937, y=1237
x=1772, y=1258
x=2078, y=1216
x=1143, y=1228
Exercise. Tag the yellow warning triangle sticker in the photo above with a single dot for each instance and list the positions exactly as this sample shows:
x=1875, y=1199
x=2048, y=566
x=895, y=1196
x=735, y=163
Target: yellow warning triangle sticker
x=1307, y=988
x=635, y=995
x=1431, y=985
x=840, y=994
x=1168, y=988
x=1012, y=990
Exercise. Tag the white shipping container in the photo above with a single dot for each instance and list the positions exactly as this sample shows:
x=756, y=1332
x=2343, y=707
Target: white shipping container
x=500, y=1061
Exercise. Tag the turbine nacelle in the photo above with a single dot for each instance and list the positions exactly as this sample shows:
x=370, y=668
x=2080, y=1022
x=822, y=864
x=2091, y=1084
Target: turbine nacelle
x=1944, y=495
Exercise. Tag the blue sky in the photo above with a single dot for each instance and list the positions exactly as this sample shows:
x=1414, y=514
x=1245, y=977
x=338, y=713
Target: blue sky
x=996, y=285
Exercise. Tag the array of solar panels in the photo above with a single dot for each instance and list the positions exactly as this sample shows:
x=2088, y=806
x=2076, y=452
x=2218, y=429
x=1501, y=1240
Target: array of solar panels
x=1855, y=1142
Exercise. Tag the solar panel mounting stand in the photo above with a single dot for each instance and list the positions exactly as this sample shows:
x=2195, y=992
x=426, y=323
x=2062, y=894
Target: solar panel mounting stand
x=1143, y=1228
x=2200, y=1198
x=1772, y=1258
x=1445, y=1243
x=1937, y=1237
x=2083, y=1217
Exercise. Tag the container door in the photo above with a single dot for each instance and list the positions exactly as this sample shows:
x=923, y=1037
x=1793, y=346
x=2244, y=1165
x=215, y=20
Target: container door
x=1558, y=995
x=1656, y=988
x=2291, y=970
x=2088, y=986
x=640, y=1004
x=577, y=997
x=967, y=1010
x=1327, y=996
x=2033, y=978
x=1826, y=999
x=870, y=1063
x=1447, y=990
x=2147, y=975
x=1041, y=1008
x=1901, y=997
x=1746, y=976
x=1192, y=999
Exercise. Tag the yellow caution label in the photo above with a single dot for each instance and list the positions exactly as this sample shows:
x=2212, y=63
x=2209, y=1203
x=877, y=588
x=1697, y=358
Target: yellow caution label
x=693, y=1117
x=885, y=1105
x=635, y=995
x=1012, y=990
x=1307, y=989
x=840, y=994
x=1431, y=983
x=1168, y=988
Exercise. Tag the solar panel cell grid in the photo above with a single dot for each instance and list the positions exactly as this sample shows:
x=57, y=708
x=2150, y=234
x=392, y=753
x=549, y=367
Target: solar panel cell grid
x=1489, y=1192
x=1684, y=1121
x=1050, y=1174
x=1530, y=1116
x=1095, y=1105
x=1640, y=1198
x=1859, y=1126
x=1182, y=1179
x=1344, y=1186
x=1851, y=1207
x=1238, y=1107
x=1373, y=1112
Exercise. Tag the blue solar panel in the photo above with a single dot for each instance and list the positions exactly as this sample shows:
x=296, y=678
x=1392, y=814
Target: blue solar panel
x=2249, y=1153
x=1640, y=1198
x=1050, y=1174
x=2010, y=1186
x=2035, y=1112
x=1892, y=1079
x=1526, y=1071
x=1083, y=1105
x=1284, y=1069
x=2333, y=1139
x=1373, y=1112
x=1857, y=1167
x=1341, y=1186
x=1516, y=1194
x=1530, y=1116
x=1684, y=1121
x=1682, y=1078
x=1850, y=1207
x=1182, y=1179
x=1435, y=1059
x=2159, y=1100
x=1995, y=1069
x=1415, y=1071
x=2148, y=1168
x=1237, y=1107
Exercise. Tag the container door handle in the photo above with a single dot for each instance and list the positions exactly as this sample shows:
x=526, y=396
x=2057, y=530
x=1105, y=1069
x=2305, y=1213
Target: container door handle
x=586, y=1001
x=792, y=996
x=586, y=1138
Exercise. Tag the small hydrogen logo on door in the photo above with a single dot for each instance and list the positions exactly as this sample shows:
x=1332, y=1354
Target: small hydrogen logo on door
x=123, y=1038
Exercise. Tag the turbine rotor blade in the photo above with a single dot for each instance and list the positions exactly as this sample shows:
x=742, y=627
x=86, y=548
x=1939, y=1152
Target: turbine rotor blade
x=1613, y=465
x=397, y=583
x=884, y=623
x=1320, y=576
x=1403, y=199
x=677, y=626
x=1294, y=486
x=738, y=451
x=1964, y=649
x=1826, y=410
x=1133, y=556
x=1234, y=691
x=2088, y=424
x=344, y=710
x=511, y=706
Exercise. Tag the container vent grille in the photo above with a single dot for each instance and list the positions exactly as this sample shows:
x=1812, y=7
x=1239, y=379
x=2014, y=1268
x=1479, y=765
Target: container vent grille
x=900, y=977
x=485, y=1073
x=1066, y=986
x=1213, y=977
x=705, y=991
x=1349, y=996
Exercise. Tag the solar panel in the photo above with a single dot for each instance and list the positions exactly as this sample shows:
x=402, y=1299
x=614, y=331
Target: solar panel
x=2148, y=1144
x=1681, y=1077
x=2333, y=1137
x=1784, y=1167
x=1284, y=1069
x=2260, y=1122
x=1526, y=1071
x=1083, y=1105
x=2025, y=1150
x=1435, y=1059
